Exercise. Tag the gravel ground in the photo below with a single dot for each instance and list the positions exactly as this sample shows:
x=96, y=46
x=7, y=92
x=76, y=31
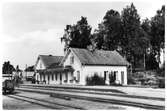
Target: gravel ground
x=78, y=102
x=147, y=101
x=149, y=92
x=13, y=104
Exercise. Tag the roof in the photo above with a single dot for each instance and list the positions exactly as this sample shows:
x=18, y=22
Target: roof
x=57, y=69
x=99, y=57
x=30, y=68
x=50, y=61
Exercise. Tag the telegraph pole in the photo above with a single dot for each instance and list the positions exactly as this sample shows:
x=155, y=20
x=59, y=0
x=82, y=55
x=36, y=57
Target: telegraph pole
x=26, y=71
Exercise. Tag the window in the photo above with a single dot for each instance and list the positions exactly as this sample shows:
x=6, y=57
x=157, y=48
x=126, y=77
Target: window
x=66, y=76
x=72, y=76
x=37, y=77
x=56, y=77
x=52, y=77
x=40, y=65
x=78, y=76
x=48, y=78
x=72, y=60
x=122, y=77
x=116, y=74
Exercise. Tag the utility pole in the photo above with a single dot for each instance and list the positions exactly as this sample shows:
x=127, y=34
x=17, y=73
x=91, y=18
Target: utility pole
x=26, y=71
x=144, y=61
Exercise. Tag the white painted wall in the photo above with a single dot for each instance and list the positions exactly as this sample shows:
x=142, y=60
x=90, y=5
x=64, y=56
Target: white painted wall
x=76, y=65
x=28, y=73
x=84, y=71
x=90, y=70
x=162, y=57
x=54, y=81
x=40, y=65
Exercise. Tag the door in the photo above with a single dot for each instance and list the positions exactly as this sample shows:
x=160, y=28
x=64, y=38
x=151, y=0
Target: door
x=60, y=78
x=112, y=77
x=48, y=79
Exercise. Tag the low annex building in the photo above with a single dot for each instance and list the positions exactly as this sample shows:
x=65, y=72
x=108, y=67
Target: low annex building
x=78, y=64
x=44, y=66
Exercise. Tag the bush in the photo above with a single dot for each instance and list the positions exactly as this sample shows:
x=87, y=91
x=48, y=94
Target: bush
x=161, y=72
x=161, y=83
x=131, y=80
x=33, y=81
x=95, y=80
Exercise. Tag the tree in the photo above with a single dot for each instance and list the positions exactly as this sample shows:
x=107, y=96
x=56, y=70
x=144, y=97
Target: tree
x=77, y=35
x=18, y=69
x=151, y=62
x=7, y=68
x=108, y=34
x=146, y=26
x=158, y=32
x=134, y=41
x=98, y=36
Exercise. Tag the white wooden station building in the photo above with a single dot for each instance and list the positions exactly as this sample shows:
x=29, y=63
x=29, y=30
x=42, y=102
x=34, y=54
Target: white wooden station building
x=78, y=64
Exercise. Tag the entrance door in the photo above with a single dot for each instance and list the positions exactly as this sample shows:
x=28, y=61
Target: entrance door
x=112, y=77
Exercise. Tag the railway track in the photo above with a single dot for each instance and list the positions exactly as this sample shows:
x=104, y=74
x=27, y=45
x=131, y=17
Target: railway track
x=44, y=103
x=95, y=92
x=97, y=99
x=114, y=101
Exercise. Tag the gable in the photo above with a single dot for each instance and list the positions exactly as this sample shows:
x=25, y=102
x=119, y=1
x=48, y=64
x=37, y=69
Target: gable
x=39, y=65
x=67, y=60
x=48, y=61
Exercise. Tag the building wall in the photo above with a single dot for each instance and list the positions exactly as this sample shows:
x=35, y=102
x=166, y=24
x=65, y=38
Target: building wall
x=162, y=58
x=56, y=81
x=76, y=65
x=91, y=70
x=40, y=65
x=81, y=72
x=28, y=73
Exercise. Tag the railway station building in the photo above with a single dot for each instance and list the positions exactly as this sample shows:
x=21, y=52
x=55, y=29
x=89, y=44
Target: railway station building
x=78, y=64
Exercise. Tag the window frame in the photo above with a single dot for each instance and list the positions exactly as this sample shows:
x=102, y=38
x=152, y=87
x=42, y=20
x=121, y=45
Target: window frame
x=52, y=77
x=78, y=76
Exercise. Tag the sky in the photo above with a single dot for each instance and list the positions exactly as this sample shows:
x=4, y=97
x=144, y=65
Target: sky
x=33, y=28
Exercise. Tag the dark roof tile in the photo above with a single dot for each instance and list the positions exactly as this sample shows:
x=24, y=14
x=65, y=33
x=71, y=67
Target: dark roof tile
x=51, y=61
x=99, y=57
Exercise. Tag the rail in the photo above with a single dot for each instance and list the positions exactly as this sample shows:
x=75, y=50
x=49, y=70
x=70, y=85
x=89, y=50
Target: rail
x=97, y=99
x=42, y=102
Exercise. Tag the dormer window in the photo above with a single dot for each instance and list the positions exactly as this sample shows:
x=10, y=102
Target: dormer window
x=72, y=60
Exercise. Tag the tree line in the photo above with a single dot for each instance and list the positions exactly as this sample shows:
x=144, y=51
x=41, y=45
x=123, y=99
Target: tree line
x=140, y=42
x=8, y=68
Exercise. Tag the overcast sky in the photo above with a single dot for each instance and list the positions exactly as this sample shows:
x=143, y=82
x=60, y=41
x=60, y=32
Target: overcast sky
x=33, y=28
